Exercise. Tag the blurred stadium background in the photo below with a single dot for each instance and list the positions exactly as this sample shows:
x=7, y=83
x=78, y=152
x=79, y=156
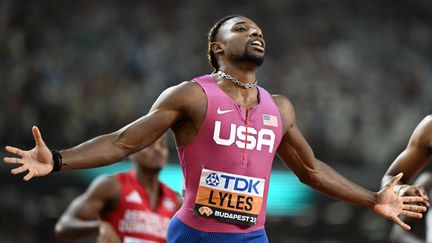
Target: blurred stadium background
x=359, y=74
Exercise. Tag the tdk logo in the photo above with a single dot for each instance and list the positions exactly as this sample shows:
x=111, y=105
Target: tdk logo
x=212, y=179
x=241, y=184
x=232, y=183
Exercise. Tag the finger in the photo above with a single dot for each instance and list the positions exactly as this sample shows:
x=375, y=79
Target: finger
x=412, y=199
x=414, y=208
x=411, y=214
x=37, y=136
x=12, y=160
x=18, y=170
x=424, y=203
x=395, y=180
x=401, y=223
x=425, y=196
x=14, y=150
x=28, y=176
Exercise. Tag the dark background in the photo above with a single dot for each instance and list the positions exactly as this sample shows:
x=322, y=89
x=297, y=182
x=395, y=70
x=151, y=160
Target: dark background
x=359, y=74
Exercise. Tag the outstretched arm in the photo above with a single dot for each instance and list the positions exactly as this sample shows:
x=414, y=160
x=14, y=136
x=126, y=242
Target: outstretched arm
x=169, y=108
x=81, y=218
x=299, y=157
x=415, y=156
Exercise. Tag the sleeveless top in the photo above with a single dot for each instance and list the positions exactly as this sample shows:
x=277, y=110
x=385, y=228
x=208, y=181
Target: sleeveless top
x=227, y=166
x=133, y=218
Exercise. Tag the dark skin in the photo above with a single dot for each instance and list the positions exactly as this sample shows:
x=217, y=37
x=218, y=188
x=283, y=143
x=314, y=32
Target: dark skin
x=398, y=235
x=81, y=217
x=182, y=109
x=416, y=155
x=411, y=161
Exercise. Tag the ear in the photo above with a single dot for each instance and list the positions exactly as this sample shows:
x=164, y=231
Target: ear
x=217, y=47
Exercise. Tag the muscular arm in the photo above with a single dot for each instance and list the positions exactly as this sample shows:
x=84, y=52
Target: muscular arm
x=181, y=108
x=296, y=153
x=174, y=106
x=415, y=156
x=81, y=217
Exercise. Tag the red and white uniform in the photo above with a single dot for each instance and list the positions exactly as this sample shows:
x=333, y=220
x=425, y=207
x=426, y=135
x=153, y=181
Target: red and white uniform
x=133, y=219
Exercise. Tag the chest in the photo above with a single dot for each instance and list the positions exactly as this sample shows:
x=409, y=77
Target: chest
x=139, y=200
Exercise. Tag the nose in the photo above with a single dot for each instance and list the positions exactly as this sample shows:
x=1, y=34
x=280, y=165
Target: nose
x=256, y=33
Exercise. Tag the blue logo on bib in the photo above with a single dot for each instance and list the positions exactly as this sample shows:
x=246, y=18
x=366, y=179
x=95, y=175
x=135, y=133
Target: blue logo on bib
x=212, y=179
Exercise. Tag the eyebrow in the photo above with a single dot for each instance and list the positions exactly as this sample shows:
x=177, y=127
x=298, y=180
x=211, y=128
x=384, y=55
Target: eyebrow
x=245, y=22
x=241, y=22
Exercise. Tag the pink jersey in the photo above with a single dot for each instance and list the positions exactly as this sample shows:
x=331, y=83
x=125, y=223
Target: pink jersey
x=227, y=166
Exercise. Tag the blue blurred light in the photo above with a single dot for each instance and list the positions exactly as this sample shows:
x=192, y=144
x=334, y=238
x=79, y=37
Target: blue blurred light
x=287, y=196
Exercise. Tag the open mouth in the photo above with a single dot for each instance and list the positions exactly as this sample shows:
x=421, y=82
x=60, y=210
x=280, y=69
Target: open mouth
x=259, y=45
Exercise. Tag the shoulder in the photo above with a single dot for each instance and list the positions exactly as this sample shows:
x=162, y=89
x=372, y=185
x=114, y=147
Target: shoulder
x=286, y=110
x=167, y=189
x=104, y=180
x=104, y=187
x=282, y=102
x=423, y=132
x=426, y=122
x=185, y=93
x=424, y=128
x=185, y=89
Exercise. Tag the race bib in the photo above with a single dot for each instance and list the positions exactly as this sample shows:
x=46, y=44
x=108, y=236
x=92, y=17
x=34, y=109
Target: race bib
x=229, y=197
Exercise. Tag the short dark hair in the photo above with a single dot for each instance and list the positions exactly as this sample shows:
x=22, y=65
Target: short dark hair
x=212, y=37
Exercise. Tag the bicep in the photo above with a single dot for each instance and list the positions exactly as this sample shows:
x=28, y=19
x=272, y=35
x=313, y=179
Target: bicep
x=416, y=155
x=296, y=153
x=293, y=150
x=168, y=109
x=83, y=208
x=411, y=161
x=89, y=205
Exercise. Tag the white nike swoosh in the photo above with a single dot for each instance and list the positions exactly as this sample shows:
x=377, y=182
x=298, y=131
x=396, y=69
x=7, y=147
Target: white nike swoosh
x=220, y=112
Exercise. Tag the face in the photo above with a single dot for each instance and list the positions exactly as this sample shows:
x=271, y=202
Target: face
x=153, y=157
x=241, y=40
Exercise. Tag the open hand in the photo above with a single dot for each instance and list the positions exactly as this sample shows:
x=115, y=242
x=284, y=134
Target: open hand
x=390, y=205
x=37, y=161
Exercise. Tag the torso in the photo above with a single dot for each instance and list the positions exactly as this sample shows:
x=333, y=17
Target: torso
x=134, y=218
x=220, y=148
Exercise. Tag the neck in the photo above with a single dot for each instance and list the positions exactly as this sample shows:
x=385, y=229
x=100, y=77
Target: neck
x=148, y=178
x=238, y=81
x=245, y=73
